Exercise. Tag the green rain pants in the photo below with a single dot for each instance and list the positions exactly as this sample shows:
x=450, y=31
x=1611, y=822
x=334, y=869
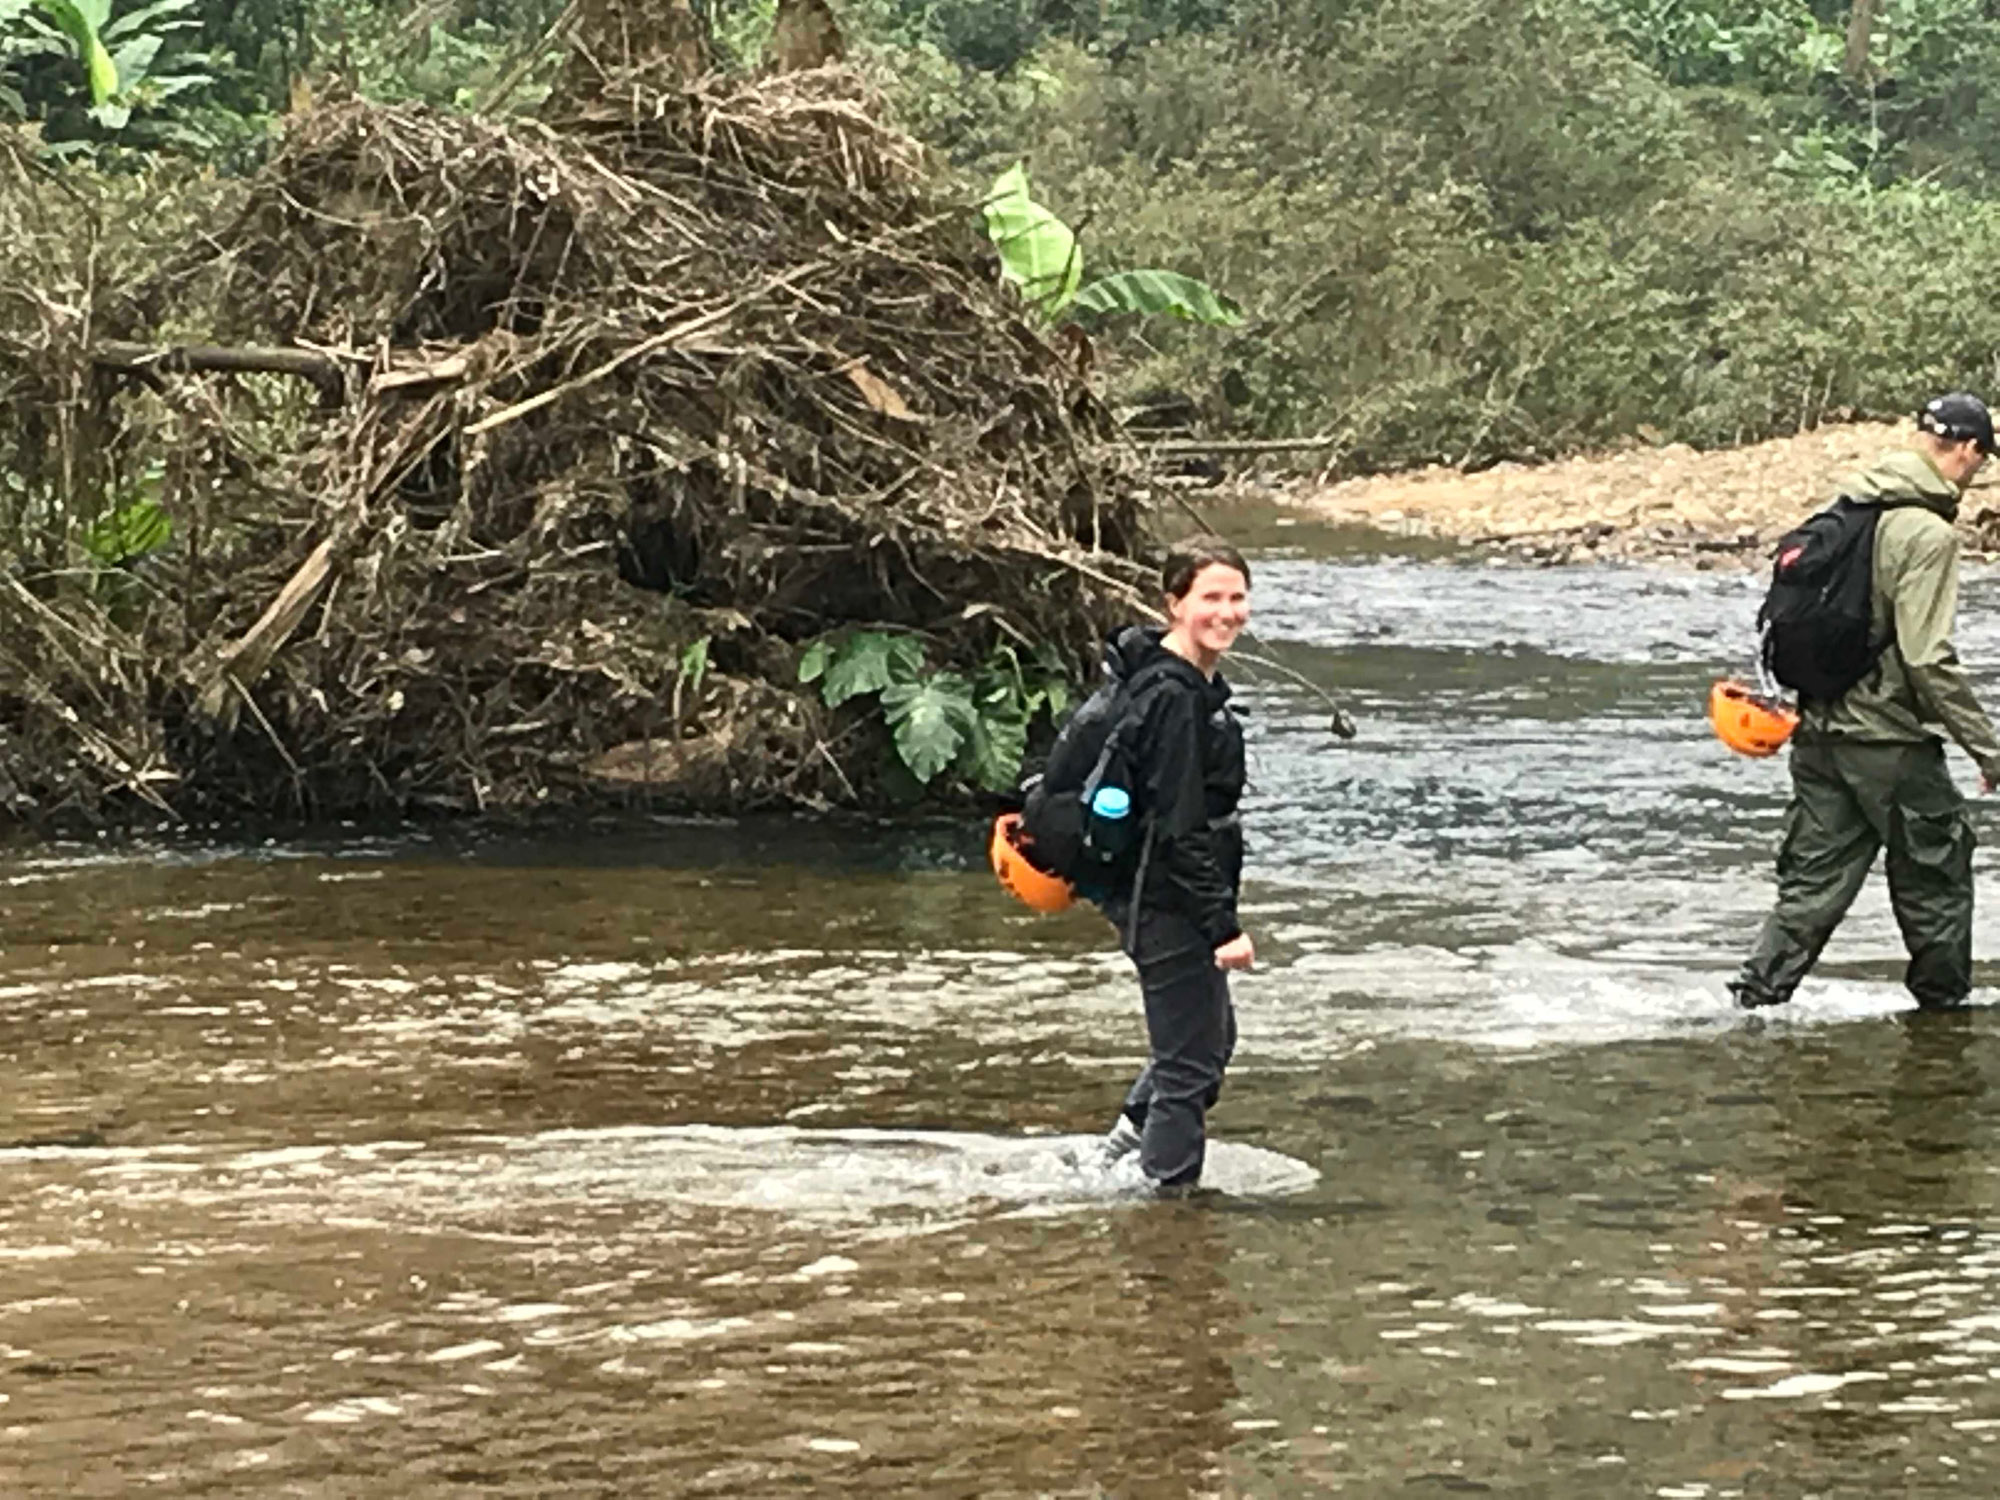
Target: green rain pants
x=1849, y=799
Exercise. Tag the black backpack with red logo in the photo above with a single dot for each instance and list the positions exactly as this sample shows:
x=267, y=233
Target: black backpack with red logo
x=1816, y=615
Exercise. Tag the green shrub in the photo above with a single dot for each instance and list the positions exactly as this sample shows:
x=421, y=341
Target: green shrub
x=1466, y=232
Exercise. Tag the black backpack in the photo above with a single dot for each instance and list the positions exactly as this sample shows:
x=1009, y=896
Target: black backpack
x=1061, y=836
x=1816, y=613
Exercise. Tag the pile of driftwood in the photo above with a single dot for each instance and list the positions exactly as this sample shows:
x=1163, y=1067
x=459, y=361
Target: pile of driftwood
x=509, y=464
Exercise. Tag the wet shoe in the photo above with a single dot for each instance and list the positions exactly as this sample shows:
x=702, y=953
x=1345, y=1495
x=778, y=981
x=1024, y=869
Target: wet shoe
x=1754, y=997
x=1953, y=1002
x=1119, y=1142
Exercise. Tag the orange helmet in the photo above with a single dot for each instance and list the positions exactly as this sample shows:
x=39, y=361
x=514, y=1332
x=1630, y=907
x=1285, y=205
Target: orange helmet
x=1748, y=722
x=1028, y=885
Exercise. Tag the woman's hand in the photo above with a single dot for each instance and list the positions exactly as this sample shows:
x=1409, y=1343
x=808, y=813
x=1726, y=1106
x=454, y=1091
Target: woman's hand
x=1237, y=953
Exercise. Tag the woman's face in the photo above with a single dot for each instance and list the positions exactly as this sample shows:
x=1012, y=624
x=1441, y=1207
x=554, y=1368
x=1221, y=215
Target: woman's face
x=1214, y=610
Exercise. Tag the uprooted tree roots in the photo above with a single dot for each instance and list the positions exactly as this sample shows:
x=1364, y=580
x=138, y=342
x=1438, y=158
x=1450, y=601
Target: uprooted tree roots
x=710, y=365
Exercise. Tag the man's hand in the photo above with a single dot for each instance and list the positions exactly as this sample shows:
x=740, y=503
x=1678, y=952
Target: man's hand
x=1237, y=953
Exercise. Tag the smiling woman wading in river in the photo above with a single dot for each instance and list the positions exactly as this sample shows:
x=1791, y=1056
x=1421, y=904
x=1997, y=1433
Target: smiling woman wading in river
x=1178, y=920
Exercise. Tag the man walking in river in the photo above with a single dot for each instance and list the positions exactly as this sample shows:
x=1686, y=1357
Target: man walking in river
x=1868, y=767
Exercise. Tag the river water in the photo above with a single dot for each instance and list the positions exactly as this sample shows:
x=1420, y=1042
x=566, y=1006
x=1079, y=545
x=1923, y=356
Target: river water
x=706, y=1158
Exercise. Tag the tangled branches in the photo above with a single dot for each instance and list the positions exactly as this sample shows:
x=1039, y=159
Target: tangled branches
x=615, y=411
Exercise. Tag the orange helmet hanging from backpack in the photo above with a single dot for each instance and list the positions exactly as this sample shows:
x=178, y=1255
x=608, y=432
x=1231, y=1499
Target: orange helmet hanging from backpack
x=1033, y=888
x=1748, y=722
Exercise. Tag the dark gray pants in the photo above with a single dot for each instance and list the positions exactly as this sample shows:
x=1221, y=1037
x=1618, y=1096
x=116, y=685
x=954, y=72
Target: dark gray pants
x=1191, y=1029
x=1849, y=800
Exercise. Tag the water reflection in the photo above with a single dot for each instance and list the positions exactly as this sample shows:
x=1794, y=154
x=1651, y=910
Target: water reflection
x=741, y=1158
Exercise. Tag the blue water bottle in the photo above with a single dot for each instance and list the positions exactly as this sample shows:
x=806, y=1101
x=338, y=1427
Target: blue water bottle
x=1110, y=821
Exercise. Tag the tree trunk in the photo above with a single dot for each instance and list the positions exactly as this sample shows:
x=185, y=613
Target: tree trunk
x=1860, y=31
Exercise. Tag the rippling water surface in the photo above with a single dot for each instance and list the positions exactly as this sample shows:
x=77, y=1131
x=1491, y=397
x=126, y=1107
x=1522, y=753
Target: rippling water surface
x=745, y=1159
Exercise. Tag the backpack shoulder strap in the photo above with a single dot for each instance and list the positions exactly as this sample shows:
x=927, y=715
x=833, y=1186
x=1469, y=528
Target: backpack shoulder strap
x=1155, y=675
x=1160, y=667
x=1882, y=503
x=1129, y=713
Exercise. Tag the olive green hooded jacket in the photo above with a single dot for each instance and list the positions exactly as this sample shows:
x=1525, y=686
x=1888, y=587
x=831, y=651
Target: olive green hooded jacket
x=1917, y=690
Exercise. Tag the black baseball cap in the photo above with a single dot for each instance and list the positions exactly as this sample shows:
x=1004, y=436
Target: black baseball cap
x=1958, y=417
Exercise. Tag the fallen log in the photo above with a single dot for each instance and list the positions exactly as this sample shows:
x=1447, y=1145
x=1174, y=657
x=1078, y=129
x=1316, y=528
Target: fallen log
x=141, y=359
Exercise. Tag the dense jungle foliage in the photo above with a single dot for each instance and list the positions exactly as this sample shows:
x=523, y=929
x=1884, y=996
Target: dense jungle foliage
x=1460, y=230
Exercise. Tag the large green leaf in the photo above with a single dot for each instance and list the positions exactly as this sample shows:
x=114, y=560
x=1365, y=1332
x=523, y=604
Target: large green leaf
x=1052, y=681
x=128, y=534
x=813, y=660
x=931, y=720
x=80, y=20
x=1038, y=252
x=134, y=60
x=993, y=750
x=869, y=661
x=165, y=16
x=694, y=665
x=1159, y=292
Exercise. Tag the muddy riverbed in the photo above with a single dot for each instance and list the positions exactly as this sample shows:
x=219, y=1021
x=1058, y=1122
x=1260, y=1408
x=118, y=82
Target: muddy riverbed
x=739, y=1158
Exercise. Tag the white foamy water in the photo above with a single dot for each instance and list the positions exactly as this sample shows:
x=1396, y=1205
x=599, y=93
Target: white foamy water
x=826, y=1175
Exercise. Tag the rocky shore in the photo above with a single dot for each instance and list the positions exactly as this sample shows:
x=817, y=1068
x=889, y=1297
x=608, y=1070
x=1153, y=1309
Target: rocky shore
x=1715, y=509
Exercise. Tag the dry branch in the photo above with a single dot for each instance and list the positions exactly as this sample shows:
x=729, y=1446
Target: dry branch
x=325, y=373
x=1223, y=447
x=243, y=661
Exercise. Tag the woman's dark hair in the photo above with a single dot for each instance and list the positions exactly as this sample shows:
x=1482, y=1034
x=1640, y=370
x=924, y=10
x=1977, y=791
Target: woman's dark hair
x=1189, y=557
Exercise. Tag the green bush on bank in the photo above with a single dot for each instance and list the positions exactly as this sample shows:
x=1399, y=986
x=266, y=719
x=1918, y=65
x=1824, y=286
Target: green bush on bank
x=1464, y=230
x=1719, y=317
x=1467, y=232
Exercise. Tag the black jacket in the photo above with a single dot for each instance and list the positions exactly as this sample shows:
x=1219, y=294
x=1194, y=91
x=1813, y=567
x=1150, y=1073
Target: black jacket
x=1189, y=772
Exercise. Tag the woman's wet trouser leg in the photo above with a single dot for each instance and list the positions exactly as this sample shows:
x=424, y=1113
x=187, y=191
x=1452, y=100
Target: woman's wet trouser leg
x=1139, y=1096
x=1191, y=1030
